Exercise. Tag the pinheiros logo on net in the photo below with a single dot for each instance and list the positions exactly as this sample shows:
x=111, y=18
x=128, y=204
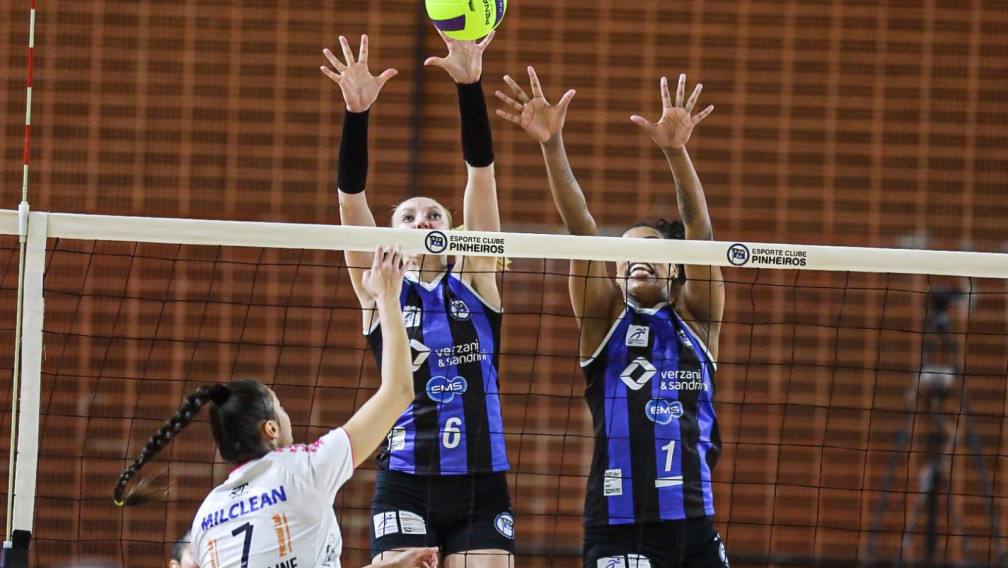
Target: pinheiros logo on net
x=766, y=255
x=438, y=242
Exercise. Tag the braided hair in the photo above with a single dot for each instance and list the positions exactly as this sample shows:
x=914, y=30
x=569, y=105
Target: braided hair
x=669, y=230
x=240, y=407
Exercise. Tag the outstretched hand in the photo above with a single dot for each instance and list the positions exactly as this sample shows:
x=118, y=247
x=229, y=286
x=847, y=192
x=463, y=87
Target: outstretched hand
x=360, y=88
x=541, y=120
x=464, y=61
x=673, y=129
x=384, y=279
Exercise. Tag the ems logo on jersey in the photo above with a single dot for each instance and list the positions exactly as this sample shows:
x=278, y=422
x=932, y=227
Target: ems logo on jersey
x=459, y=310
x=684, y=338
x=411, y=315
x=638, y=373
x=504, y=523
x=662, y=411
x=443, y=389
x=637, y=335
x=418, y=353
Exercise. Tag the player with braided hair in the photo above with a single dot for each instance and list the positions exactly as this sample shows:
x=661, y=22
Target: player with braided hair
x=275, y=508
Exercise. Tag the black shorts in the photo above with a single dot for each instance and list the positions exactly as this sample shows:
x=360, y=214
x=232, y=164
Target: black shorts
x=690, y=543
x=453, y=512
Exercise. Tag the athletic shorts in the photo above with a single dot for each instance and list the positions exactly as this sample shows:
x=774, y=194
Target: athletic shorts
x=453, y=512
x=690, y=543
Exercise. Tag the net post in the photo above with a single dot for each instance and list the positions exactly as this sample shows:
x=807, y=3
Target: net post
x=31, y=382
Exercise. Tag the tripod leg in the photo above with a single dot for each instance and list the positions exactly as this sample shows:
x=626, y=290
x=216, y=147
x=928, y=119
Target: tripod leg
x=902, y=440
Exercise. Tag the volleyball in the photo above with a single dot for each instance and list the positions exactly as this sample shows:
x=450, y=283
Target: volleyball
x=466, y=19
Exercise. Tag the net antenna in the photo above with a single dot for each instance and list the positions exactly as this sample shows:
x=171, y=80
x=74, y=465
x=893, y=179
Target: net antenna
x=939, y=376
x=16, y=540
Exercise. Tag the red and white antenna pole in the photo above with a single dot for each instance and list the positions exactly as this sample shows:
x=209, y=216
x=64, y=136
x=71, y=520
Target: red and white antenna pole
x=15, y=552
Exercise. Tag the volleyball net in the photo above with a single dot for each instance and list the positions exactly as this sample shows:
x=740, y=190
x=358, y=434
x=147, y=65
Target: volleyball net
x=861, y=393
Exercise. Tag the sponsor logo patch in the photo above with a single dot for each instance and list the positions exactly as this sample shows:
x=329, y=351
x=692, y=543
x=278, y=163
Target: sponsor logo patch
x=662, y=411
x=385, y=523
x=419, y=353
x=443, y=389
x=459, y=310
x=411, y=316
x=397, y=439
x=638, y=373
x=628, y=561
x=412, y=523
x=504, y=523
x=612, y=484
x=637, y=335
x=684, y=338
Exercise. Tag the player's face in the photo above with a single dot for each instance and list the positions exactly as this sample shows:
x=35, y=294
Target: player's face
x=285, y=437
x=420, y=213
x=647, y=283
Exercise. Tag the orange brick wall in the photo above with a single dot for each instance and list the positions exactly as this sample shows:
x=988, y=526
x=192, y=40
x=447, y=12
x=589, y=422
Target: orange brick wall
x=852, y=123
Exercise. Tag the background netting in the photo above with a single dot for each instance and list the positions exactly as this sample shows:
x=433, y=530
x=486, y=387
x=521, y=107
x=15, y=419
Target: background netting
x=849, y=123
x=815, y=373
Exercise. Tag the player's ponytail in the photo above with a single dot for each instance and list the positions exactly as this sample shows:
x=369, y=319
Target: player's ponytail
x=143, y=491
x=236, y=418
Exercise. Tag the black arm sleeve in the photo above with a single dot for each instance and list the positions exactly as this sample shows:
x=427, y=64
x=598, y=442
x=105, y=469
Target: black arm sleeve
x=352, y=168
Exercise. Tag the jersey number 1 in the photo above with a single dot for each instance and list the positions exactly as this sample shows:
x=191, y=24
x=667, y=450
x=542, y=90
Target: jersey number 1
x=669, y=450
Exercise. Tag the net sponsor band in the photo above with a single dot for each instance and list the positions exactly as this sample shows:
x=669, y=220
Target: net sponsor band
x=740, y=254
x=438, y=242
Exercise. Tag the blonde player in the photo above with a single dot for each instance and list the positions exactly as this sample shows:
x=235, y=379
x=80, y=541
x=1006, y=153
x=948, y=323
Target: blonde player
x=275, y=508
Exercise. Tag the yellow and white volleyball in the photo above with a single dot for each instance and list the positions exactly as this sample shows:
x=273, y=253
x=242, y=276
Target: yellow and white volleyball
x=466, y=19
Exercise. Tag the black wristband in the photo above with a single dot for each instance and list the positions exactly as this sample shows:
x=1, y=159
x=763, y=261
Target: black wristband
x=351, y=170
x=477, y=142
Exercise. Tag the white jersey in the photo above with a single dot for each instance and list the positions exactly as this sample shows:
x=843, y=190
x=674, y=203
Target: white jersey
x=276, y=511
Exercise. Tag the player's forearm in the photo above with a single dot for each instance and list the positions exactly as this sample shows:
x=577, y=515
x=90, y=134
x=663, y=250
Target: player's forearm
x=689, y=195
x=396, y=372
x=567, y=194
x=352, y=168
x=477, y=140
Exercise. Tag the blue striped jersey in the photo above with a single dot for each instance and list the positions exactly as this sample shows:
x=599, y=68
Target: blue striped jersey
x=650, y=390
x=454, y=425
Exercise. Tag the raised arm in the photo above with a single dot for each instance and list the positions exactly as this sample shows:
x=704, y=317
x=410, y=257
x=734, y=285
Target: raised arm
x=480, y=212
x=360, y=90
x=594, y=295
x=369, y=425
x=703, y=295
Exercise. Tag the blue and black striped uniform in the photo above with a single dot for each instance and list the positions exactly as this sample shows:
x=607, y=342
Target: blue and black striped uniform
x=454, y=425
x=650, y=390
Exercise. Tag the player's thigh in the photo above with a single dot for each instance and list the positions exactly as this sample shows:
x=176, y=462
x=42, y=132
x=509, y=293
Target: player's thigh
x=400, y=514
x=482, y=558
x=709, y=552
x=486, y=523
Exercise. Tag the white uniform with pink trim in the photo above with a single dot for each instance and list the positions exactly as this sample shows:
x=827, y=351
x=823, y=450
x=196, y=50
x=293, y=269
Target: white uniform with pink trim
x=276, y=511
